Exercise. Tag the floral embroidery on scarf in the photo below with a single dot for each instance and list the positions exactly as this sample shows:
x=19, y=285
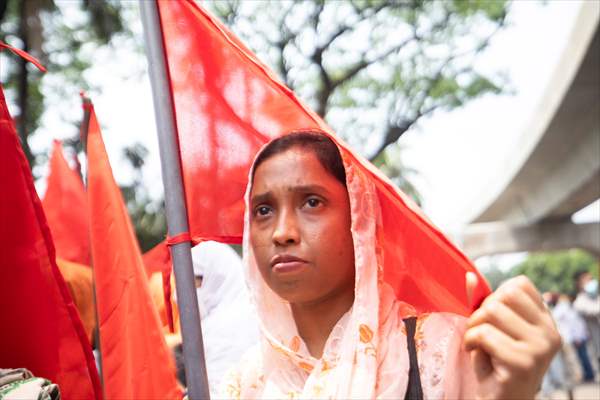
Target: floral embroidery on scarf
x=419, y=332
x=326, y=367
x=305, y=366
x=366, y=337
x=366, y=334
x=295, y=344
x=317, y=390
x=234, y=386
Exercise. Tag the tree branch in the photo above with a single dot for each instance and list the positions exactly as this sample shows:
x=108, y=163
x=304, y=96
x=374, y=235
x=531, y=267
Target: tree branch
x=286, y=37
x=394, y=131
x=23, y=86
x=365, y=63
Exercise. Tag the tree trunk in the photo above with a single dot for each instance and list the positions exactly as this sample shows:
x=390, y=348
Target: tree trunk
x=23, y=86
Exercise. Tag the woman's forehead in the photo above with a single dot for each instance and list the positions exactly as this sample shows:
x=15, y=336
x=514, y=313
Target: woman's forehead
x=295, y=167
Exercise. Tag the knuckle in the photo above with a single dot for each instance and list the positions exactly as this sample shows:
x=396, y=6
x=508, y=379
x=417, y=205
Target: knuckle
x=485, y=330
x=505, y=378
x=485, y=313
x=510, y=295
x=529, y=362
x=547, y=347
x=555, y=341
x=482, y=332
x=542, y=350
x=522, y=281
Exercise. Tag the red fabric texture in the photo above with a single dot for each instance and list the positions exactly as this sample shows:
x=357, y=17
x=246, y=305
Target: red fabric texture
x=179, y=238
x=66, y=208
x=157, y=259
x=24, y=55
x=41, y=329
x=227, y=105
x=136, y=361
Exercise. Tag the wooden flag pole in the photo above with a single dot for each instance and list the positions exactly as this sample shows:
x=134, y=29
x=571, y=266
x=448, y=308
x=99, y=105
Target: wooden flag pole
x=177, y=220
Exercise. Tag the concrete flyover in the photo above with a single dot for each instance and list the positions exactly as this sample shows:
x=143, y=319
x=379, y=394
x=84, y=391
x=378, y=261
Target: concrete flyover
x=554, y=170
x=498, y=237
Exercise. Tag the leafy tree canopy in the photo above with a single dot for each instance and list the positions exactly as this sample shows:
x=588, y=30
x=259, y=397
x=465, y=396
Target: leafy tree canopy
x=373, y=68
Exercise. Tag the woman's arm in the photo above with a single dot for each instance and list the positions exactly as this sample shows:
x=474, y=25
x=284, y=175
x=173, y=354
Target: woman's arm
x=512, y=339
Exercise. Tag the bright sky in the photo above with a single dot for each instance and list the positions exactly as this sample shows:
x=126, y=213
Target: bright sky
x=459, y=151
x=456, y=153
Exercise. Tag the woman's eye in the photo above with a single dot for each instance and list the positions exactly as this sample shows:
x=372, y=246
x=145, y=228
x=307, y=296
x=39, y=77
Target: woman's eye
x=262, y=210
x=313, y=202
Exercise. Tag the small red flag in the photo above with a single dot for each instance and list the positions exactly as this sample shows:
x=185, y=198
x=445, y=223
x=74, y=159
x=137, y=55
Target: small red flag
x=65, y=205
x=227, y=104
x=136, y=361
x=41, y=330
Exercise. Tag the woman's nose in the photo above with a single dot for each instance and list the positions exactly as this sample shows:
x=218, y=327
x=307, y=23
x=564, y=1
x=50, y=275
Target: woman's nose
x=286, y=231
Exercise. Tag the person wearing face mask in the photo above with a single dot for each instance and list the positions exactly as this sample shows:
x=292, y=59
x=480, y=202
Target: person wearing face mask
x=588, y=305
x=229, y=323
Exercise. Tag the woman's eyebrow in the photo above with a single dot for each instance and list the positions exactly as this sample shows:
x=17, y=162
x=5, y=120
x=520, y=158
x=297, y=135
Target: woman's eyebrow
x=267, y=196
x=310, y=189
x=260, y=198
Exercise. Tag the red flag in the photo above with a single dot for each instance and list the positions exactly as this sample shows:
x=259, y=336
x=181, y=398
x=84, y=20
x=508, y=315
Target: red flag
x=40, y=327
x=65, y=205
x=227, y=104
x=157, y=259
x=136, y=361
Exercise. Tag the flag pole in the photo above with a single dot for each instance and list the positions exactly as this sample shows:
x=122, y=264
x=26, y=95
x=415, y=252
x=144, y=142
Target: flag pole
x=177, y=221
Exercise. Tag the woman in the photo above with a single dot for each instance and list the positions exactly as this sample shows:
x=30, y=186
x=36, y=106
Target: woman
x=331, y=326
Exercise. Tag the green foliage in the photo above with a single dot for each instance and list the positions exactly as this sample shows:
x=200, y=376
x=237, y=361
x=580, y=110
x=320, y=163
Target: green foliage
x=495, y=276
x=61, y=44
x=373, y=68
x=555, y=271
x=493, y=9
x=148, y=215
x=390, y=163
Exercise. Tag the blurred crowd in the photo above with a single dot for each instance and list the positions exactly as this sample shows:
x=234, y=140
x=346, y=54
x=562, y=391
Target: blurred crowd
x=577, y=317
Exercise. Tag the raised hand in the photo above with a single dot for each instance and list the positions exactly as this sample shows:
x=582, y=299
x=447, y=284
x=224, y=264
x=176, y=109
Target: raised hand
x=512, y=339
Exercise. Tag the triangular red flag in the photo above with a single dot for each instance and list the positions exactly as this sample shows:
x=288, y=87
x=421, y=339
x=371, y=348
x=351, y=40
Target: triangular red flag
x=65, y=205
x=41, y=330
x=227, y=104
x=158, y=259
x=136, y=361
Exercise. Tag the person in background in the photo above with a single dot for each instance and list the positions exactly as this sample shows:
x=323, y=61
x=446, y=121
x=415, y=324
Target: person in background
x=229, y=322
x=572, y=329
x=561, y=375
x=19, y=383
x=587, y=304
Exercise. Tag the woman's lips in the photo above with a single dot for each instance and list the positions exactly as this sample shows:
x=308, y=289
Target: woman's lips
x=287, y=263
x=287, y=267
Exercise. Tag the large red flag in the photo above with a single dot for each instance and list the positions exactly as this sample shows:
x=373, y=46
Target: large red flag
x=136, y=361
x=40, y=327
x=227, y=104
x=65, y=205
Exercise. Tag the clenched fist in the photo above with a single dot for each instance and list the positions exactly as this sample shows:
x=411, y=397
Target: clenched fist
x=512, y=339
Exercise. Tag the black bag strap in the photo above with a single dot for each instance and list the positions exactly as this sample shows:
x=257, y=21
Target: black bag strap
x=414, y=391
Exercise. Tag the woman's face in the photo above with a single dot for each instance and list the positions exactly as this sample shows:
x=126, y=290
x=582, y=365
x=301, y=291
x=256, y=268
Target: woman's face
x=300, y=228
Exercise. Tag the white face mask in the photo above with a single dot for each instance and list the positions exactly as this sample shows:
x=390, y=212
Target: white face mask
x=591, y=288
